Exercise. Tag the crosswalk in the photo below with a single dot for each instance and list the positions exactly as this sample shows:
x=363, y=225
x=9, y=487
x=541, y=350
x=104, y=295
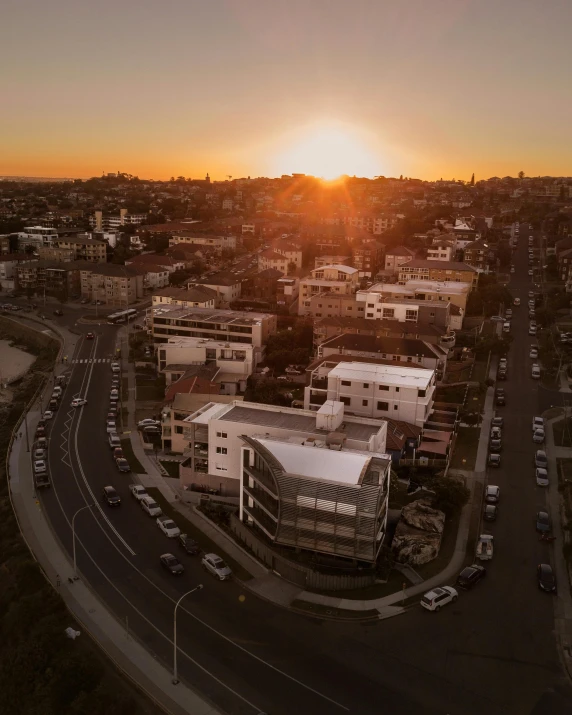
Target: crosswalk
x=87, y=361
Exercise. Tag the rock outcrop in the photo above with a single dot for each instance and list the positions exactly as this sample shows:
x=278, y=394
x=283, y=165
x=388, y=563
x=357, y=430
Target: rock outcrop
x=418, y=534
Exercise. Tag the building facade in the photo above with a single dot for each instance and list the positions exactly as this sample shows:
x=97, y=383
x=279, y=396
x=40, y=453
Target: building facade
x=423, y=270
x=336, y=279
x=114, y=285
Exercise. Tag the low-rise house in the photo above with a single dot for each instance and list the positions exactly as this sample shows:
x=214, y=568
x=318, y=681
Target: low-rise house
x=198, y=296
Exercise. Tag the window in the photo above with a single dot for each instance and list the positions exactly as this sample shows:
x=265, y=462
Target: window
x=223, y=435
x=389, y=312
x=383, y=406
x=371, y=305
x=346, y=401
x=395, y=407
x=364, y=403
x=369, y=315
x=220, y=468
x=346, y=383
x=178, y=429
x=384, y=387
x=397, y=389
x=366, y=385
x=409, y=359
x=410, y=315
x=221, y=450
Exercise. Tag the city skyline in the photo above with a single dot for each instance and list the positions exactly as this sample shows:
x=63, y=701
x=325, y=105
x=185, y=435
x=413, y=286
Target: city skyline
x=440, y=89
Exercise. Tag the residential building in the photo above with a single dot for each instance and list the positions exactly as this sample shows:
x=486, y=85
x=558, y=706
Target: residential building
x=411, y=351
x=336, y=279
x=195, y=297
x=367, y=257
x=52, y=253
x=227, y=285
x=396, y=257
x=375, y=391
x=464, y=233
x=37, y=237
x=8, y=269
x=50, y=278
x=232, y=326
x=271, y=259
x=169, y=263
x=219, y=243
x=112, y=284
x=291, y=251
x=321, y=261
x=261, y=287
x=416, y=290
x=84, y=247
x=101, y=222
x=440, y=252
x=287, y=293
x=477, y=254
x=420, y=269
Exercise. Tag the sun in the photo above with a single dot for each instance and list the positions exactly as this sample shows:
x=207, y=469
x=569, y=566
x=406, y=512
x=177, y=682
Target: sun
x=328, y=152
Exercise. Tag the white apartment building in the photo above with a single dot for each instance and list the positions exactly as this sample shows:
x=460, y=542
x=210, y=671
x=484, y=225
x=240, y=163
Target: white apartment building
x=290, y=251
x=227, y=204
x=336, y=279
x=416, y=290
x=37, y=237
x=114, y=223
x=219, y=243
x=215, y=436
x=376, y=391
x=440, y=252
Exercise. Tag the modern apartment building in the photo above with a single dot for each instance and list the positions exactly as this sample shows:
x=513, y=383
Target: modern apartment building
x=423, y=270
x=114, y=285
x=374, y=391
x=287, y=293
x=37, y=237
x=336, y=279
x=231, y=326
x=219, y=243
x=440, y=252
x=416, y=290
x=101, y=222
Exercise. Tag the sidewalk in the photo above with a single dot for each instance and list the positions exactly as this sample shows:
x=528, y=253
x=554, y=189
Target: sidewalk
x=129, y=656
x=563, y=601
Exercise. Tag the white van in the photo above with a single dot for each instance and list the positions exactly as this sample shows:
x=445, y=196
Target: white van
x=506, y=327
x=150, y=506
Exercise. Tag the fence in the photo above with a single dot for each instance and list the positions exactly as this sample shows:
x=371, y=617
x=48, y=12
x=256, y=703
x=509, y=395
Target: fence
x=304, y=576
x=423, y=462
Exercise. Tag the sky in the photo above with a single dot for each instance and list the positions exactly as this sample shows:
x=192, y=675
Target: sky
x=160, y=88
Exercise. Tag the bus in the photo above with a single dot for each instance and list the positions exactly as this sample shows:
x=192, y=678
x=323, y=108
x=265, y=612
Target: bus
x=122, y=316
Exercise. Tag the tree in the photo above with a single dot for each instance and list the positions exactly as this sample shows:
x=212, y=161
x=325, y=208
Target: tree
x=451, y=495
x=521, y=175
x=292, y=268
x=29, y=249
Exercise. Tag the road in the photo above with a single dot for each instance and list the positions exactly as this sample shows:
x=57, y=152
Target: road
x=492, y=652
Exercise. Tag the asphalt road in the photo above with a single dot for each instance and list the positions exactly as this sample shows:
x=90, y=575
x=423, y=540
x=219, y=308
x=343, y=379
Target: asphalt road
x=492, y=652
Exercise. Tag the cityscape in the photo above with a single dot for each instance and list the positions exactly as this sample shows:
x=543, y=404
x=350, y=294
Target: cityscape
x=286, y=359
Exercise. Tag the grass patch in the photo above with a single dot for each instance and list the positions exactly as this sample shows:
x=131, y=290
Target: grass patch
x=562, y=432
x=466, y=446
x=317, y=609
x=134, y=463
x=172, y=468
x=206, y=544
x=446, y=551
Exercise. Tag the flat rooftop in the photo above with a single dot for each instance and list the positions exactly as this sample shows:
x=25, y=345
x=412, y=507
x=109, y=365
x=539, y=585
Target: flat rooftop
x=206, y=315
x=413, y=287
x=296, y=421
x=399, y=376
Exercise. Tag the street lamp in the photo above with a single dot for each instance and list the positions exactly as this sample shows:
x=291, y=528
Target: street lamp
x=175, y=680
x=87, y=506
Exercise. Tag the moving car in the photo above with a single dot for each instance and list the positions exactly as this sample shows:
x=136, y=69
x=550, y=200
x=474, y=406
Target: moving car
x=543, y=522
x=122, y=464
x=172, y=564
x=137, y=491
x=111, y=496
x=516, y=301
x=168, y=527
x=189, y=545
x=492, y=494
x=546, y=578
x=58, y=312
x=490, y=512
x=540, y=459
x=90, y=336
x=471, y=575
x=216, y=566
x=542, y=477
x=78, y=402
x=435, y=599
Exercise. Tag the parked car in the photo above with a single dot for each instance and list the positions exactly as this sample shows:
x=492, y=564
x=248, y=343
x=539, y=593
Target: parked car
x=114, y=441
x=115, y=367
x=172, y=564
x=48, y=414
x=189, y=545
x=137, y=491
x=492, y=494
x=494, y=459
x=543, y=522
x=216, y=566
x=496, y=433
x=537, y=423
x=485, y=547
x=500, y=397
x=435, y=599
x=58, y=312
x=532, y=330
x=538, y=436
x=40, y=466
x=490, y=512
x=148, y=422
x=497, y=422
x=111, y=427
x=168, y=527
x=471, y=575
x=111, y=496
x=533, y=352
x=546, y=578
x=540, y=459
x=39, y=453
x=542, y=477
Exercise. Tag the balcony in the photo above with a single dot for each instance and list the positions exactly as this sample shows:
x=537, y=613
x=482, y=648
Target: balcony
x=201, y=449
x=319, y=383
x=263, y=499
x=318, y=398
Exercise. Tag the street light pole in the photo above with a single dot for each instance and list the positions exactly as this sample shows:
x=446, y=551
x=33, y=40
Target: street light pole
x=175, y=680
x=87, y=506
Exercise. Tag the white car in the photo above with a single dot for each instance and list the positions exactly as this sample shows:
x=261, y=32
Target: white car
x=538, y=436
x=48, y=414
x=492, y=494
x=137, y=491
x=537, y=423
x=535, y=372
x=115, y=367
x=530, y=272
x=78, y=402
x=533, y=352
x=532, y=330
x=216, y=566
x=111, y=427
x=39, y=454
x=542, y=477
x=148, y=422
x=40, y=466
x=512, y=270
x=435, y=599
x=168, y=527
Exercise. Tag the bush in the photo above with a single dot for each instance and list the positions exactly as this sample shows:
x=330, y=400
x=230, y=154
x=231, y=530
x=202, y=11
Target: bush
x=451, y=495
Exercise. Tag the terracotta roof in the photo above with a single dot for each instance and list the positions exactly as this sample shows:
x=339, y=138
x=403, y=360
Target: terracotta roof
x=153, y=258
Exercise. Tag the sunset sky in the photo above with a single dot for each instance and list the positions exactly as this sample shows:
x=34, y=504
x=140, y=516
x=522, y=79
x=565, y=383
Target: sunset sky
x=423, y=88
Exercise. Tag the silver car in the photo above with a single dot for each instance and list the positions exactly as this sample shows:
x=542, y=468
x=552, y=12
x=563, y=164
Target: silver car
x=216, y=566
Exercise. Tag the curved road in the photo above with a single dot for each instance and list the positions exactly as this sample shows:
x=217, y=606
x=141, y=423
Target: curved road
x=492, y=652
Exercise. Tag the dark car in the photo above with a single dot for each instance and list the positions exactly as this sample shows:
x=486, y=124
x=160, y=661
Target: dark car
x=496, y=445
x=122, y=464
x=546, y=578
x=111, y=496
x=542, y=522
x=491, y=512
x=58, y=312
x=172, y=564
x=497, y=422
x=494, y=459
x=89, y=336
x=471, y=575
x=500, y=397
x=501, y=374
x=189, y=545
